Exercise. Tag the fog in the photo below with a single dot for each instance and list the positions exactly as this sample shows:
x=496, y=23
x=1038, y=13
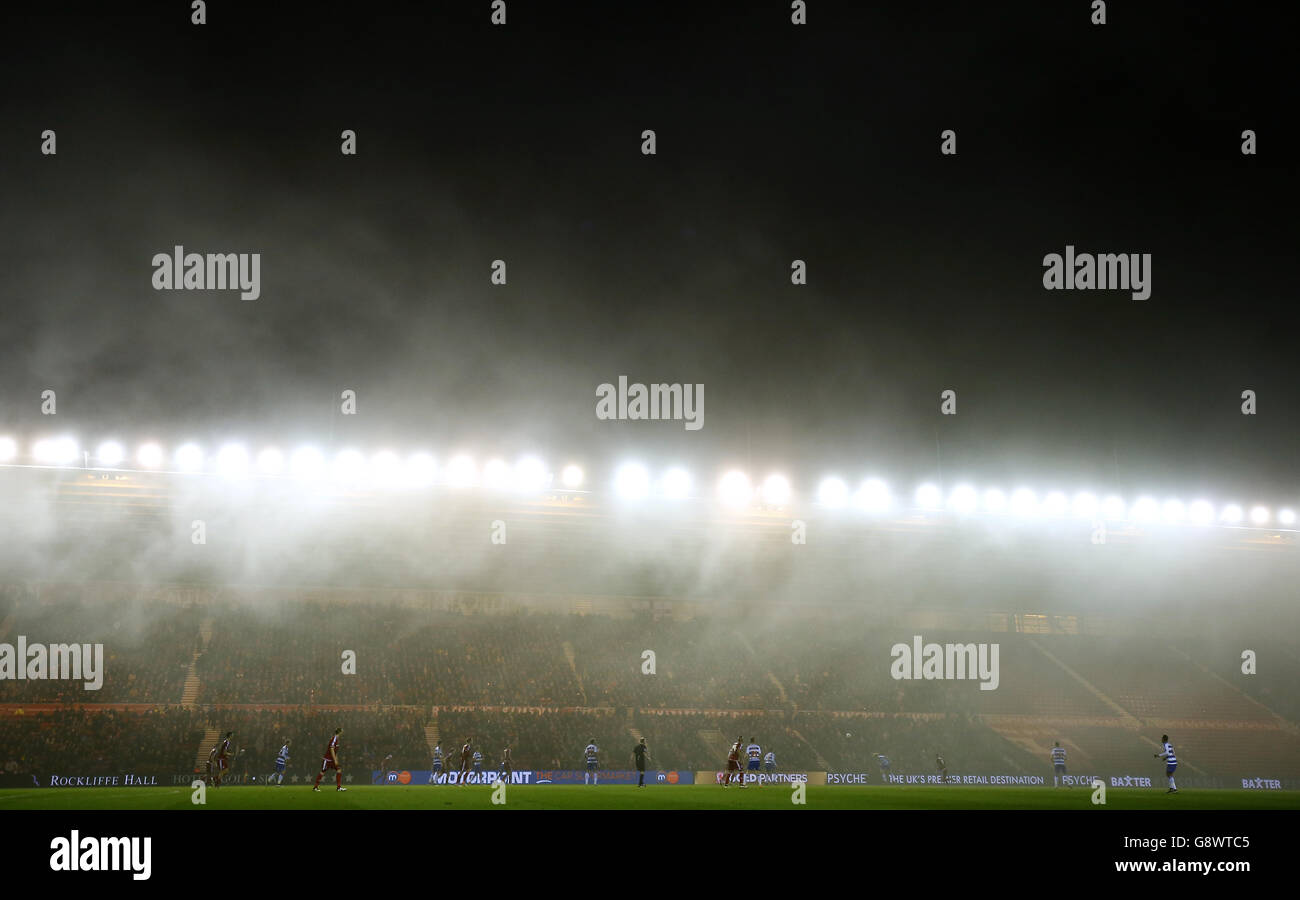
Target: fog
x=75, y=527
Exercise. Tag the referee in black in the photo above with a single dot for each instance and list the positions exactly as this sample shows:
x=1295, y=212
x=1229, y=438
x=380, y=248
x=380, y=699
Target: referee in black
x=640, y=751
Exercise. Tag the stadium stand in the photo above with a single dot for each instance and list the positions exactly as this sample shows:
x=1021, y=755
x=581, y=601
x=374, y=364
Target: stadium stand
x=185, y=664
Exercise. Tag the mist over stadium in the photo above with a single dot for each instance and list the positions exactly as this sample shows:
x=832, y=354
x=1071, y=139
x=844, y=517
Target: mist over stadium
x=749, y=624
x=647, y=408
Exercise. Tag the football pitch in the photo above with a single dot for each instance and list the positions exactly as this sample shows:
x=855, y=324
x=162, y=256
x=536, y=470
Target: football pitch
x=680, y=797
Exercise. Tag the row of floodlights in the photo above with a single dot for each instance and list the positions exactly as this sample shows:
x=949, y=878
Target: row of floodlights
x=633, y=482
x=965, y=500
x=235, y=461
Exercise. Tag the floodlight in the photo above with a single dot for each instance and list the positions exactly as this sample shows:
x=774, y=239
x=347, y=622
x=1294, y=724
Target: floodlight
x=150, y=456
x=1146, y=509
x=776, y=490
x=461, y=472
x=1201, y=512
x=963, y=500
x=873, y=497
x=677, y=484
x=55, y=451
x=832, y=492
x=110, y=454
x=421, y=469
x=1055, y=504
x=734, y=489
x=232, y=461
x=530, y=475
x=631, y=481
x=1114, y=509
x=270, y=461
x=496, y=475
x=307, y=463
x=1024, y=502
x=189, y=458
x=929, y=497
x=1084, y=505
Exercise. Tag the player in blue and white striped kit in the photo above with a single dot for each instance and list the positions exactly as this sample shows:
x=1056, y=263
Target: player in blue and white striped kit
x=1171, y=761
x=281, y=759
x=883, y=762
x=437, y=763
x=753, y=759
x=591, y=753
x=1058, y=762
x=769, y=762
x=478, y=764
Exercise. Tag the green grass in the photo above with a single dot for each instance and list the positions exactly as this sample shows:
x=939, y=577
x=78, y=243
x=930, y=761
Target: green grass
x=708, y=796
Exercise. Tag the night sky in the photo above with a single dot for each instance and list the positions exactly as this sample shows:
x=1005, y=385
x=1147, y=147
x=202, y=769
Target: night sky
x=775, y=142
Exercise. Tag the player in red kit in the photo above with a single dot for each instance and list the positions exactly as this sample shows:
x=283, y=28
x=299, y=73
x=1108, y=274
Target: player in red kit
x=733, y=762
x=507, y=766
x=466, y=759
x=222, y=761
x=331, y=761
